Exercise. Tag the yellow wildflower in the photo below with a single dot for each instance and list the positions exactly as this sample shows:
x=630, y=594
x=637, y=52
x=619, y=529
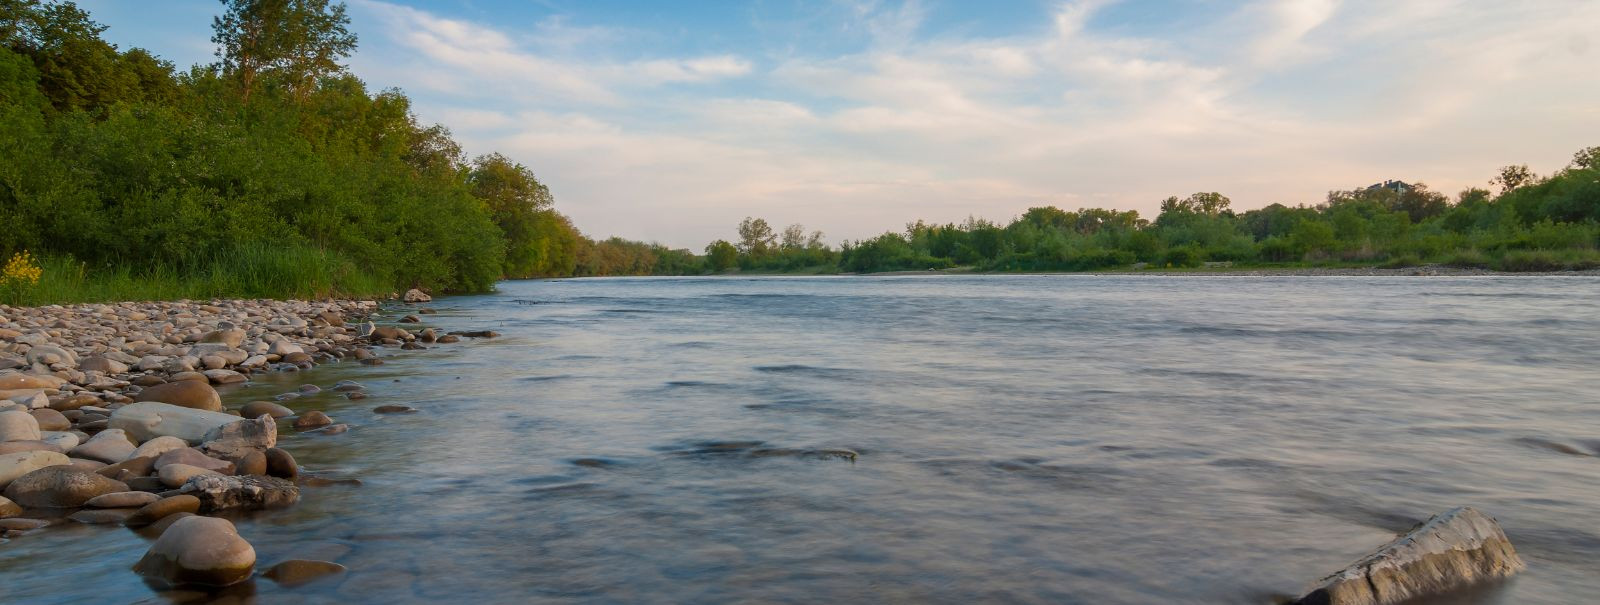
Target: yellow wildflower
x=22, y=269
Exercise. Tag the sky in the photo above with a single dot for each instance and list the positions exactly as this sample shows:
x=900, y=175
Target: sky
x=671, y=121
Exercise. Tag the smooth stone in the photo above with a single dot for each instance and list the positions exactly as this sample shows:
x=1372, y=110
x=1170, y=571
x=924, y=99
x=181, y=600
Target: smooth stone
x=188, y=376
x=1451, y=551
x=228, y=338
x=311, y=420
x=122, y=500
x=136, y=466
x=295, y=572
x=346, y=386
x=103, y=365
x=13, y=381
x=16, y=447
x=109, y=446
x=449, y=338
x=66, y=440
x=253, y=463
x=158, y=446
x=232, y=441
x=87, y=466
x=248, y=492
x=193, y=457
x=8, y=508
x=18, y=426
x=22, y=524
x=199, y=550
x=147, y=420
x=60, y=487
x=160, y=526
x=15, y=465
x=194, y=394
x=97, y=516
x=74, y=402
x=220, y=376
x=281, y=464
x=394, y=409
x=175, y=475
x=162, y=508
x=50, y=420
x=355, y=395
x=256, y=409
x=332, y=429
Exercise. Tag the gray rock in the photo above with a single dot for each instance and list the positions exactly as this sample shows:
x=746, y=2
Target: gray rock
x=1452, y=550
x=103, y=364
x=224, y=376
x=193, y=457
x=158, y=446
x=235, y=440
x=416, y=296
x=199, y=550
x=249, y=492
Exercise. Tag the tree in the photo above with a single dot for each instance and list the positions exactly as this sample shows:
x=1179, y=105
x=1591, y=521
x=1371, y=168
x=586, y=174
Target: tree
x=794, y=237
x=297, y=41
x=755, y=237
x=721, y=255
x=1512, y=177
x=1586, y=158
x=514, y=198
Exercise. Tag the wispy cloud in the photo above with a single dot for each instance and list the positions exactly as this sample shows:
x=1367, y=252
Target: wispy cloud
x=1275, y=101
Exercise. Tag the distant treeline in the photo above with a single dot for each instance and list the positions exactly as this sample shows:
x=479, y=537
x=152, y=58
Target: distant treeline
x=1531, y=223
x=273, y=172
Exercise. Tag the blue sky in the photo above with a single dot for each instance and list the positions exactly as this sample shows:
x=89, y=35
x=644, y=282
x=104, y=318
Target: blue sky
x=672, y=121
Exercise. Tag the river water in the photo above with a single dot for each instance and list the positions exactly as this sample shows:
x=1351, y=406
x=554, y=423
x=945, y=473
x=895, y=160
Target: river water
x=1028, y=439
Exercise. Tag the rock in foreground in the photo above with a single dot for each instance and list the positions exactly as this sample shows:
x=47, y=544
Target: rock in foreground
x=1452, y=550
x=199, y=550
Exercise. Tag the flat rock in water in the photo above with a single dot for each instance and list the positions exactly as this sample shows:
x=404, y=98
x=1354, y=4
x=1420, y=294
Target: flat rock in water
x=1452, y=550
x=101, y=516
x=122, y=500
x=161, y=509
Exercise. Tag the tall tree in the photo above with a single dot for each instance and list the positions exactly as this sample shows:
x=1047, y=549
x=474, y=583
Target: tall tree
x=297, y=41
x=755, y=236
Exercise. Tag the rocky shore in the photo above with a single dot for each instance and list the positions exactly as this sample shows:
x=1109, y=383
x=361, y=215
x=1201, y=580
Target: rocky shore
x=109, y=414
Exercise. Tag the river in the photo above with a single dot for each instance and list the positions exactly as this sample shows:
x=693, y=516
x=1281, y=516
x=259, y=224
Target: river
x=1019, y=439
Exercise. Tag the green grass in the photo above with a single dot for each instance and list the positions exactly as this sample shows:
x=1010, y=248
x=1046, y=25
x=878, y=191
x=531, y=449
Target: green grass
x=246, y=271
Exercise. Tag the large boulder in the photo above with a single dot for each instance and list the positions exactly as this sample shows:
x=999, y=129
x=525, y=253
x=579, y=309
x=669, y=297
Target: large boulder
x=416, y=296
x=17, y=464
x=18, y=426
x=199, y=550
x=235, y=440
x=109, y=446
x=60, y=487
x=196, y=394
x=250, y=492
x=147, y=420
x=1452, y=550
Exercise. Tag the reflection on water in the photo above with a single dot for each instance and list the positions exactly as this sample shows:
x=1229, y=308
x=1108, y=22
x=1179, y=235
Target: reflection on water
x=1061, y=439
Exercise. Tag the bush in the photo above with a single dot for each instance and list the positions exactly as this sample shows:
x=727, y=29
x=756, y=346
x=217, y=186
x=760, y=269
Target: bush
x=1183, y=256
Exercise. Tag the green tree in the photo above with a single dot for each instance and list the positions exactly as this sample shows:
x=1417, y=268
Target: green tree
x=514, y=198
x=297, y=42
x=756, y=237
x=721, y=256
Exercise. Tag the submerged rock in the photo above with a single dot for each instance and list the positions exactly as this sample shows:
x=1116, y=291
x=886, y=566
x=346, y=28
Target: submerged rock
x=199, y=550
x=1452, y=550
x=295, y=572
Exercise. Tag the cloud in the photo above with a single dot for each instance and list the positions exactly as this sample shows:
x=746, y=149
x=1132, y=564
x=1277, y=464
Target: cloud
x=1274, y=101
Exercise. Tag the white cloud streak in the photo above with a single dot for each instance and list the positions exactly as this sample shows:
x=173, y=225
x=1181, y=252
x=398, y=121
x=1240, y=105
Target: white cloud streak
x=1279, y=101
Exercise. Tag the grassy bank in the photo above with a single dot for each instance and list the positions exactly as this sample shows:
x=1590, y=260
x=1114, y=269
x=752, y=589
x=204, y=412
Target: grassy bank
x=248, y=271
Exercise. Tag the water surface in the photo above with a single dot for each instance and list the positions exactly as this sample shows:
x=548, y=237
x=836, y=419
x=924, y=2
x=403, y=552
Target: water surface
x=1027, y=439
